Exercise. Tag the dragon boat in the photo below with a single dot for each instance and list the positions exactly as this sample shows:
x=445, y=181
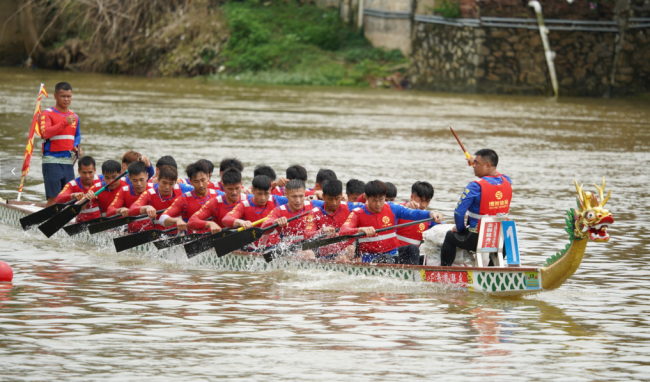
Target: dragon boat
x=588, y=222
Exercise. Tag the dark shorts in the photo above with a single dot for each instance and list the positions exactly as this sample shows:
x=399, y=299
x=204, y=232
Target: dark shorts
x=56, y=176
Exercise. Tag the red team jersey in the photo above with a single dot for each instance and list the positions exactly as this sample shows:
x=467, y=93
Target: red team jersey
x=91, y=209
x=125, y=198
x=152, y=197
x=318, y=218
x=188, y=204
x=413, y=233
x=292, y=232
x=216, y=208
x=105, y=199
x=248, y=210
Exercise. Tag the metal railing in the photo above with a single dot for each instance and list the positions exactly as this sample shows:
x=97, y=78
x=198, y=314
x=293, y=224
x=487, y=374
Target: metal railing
x=520, y=23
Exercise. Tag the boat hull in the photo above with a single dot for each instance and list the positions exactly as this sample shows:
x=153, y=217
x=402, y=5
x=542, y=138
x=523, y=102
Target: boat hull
x=492, y=280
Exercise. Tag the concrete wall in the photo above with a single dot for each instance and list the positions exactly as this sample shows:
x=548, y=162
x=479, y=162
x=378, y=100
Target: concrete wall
x=388, y=33
x=512, y=61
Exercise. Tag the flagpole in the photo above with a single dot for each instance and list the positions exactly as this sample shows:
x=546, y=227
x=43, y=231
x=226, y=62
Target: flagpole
x=35, y=128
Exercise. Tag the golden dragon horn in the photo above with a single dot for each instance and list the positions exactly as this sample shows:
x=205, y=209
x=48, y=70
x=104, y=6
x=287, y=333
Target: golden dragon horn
x=601, y=191
x=581, y=194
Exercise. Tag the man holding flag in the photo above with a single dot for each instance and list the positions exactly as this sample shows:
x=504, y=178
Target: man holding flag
x=59, y=128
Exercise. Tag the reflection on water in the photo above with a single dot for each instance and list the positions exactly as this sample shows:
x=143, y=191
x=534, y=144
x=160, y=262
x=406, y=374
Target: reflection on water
x=78, y=312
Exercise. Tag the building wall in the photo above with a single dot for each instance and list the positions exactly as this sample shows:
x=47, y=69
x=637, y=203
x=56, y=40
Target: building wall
x=512, y=61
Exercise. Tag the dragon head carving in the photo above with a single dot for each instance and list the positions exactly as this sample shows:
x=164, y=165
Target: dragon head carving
x=592, y=219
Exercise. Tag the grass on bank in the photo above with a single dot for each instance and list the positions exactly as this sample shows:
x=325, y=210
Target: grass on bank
x=277, y=42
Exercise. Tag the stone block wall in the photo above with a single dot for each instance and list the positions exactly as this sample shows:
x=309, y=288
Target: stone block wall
x=512, y=61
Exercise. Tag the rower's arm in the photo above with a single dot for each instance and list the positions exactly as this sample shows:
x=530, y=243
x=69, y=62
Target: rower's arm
x=471, y=192
x=198, y=220
x=402, y=212
x=139, y=207
x=230, y=220
x=118, y=202
x=65, y=195
x=351, y=226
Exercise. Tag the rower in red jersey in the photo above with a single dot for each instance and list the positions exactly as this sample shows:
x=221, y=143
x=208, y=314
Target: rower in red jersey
x=128, y=194
x=289, y=232
x=134, y=156
x=391, y=193
x=328, y=218
x=190, y=202
x=159, y=197
x=220, y=206
x=354, y=189
x=110, y=171
x=78, y=188
x=421, y=195
x=377, y=213
x=322, y=175
x=255, y=208
x=168, y=160
x=225, y=165
x=295, y=171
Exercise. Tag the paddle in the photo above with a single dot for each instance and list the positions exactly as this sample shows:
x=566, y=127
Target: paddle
x=228, y=244
x=106, y=225
x=74, y=229
x=43, y=215
x=51, y=226
x=469, y=158
x=127, y=242
x=338, y=239
x=194, y=248
x=174, y=241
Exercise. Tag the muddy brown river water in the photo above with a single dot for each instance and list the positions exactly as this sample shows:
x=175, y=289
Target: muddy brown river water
x=76, y=312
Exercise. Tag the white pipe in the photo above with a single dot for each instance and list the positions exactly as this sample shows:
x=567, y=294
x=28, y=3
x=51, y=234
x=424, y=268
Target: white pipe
x=550, y=55
x=18, y=199
x=360, y=13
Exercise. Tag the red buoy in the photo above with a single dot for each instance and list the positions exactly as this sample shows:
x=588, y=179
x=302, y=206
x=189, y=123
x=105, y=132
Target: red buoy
x=6, y=273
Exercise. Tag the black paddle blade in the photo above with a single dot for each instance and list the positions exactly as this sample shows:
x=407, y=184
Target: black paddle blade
x=174, y=241
x=194, y=248
x=106, y=225
x=74, y=229
x=42, y=215
x=51, y=226
x=321, y=243
x=234, y=242
x=127, y=242
x=280, y=251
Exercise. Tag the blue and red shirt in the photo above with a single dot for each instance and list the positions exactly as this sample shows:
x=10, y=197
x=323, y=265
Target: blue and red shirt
x=470, y=201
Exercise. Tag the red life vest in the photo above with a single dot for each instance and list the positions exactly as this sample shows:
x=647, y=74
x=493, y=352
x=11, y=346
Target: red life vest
x=64, y=140
x=495, y=200
x=126, y=198
x=91, y=209
x=411, y=234
x=106, y=198
x=219, y=208
x=383, y=241
x=188, y=204
x=317, y=219
x=292, y=232
x=152, y=197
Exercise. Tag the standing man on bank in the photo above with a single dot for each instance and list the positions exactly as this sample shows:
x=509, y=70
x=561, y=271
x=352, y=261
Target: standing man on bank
x=489, y=196
x=61, y=137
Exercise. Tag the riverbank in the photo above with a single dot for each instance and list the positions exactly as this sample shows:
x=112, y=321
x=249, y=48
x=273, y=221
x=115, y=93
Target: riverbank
x=273, y=42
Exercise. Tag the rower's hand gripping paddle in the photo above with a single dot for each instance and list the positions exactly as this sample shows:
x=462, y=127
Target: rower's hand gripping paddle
x=51, y=226
x=241, y=239
x=469, y=157
x=337, y=239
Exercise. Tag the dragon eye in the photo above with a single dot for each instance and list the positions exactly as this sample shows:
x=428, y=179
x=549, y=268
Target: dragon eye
x=590, y=215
